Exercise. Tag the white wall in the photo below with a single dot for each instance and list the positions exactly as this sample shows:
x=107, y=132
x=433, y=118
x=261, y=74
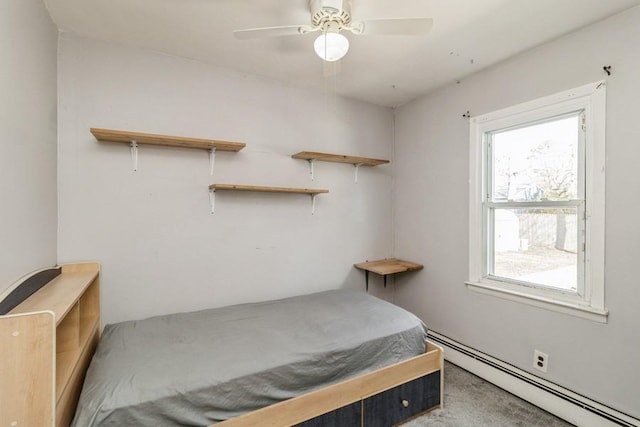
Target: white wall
x=161, y=249
x=598, y=360
x=28, y=197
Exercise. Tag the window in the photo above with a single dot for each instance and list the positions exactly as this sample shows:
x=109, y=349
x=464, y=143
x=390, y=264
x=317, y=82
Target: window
x=537, y=202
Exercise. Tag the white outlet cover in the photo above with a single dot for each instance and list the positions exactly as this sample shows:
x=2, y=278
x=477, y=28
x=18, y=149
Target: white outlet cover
x=539, y=356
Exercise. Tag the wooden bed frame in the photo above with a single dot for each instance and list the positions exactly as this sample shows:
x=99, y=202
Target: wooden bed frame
x=48, y=339
x=47, y=342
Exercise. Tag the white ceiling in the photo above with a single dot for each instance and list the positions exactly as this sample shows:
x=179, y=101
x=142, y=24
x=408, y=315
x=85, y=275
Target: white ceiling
x=467, y=35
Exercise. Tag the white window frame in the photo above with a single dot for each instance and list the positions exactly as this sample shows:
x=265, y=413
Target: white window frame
x=589, y=301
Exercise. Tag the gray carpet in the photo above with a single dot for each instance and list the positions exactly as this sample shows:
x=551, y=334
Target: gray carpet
x=472, y=401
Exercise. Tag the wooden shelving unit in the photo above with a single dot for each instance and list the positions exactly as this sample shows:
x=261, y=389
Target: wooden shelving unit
x=312, y=156
x=55, y=332
x=313, y=192
x=138, y=138
x=384, y=267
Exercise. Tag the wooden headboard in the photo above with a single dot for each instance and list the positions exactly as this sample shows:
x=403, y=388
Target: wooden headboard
x=47, y=342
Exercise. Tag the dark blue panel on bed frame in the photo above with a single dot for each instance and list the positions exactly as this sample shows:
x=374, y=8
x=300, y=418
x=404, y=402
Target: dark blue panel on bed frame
x=28, y=288
x=347, y=416
x=403, y=402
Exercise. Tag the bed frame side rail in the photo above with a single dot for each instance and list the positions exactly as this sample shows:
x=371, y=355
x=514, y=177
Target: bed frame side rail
x=307, y=406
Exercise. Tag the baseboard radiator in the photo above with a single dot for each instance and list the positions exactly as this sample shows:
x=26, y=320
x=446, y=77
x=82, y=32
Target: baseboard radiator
x=562, y=402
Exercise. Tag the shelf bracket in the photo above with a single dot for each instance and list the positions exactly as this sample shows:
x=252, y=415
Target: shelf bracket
x=134, y=154
x=357, y=166
x=366, y=279
x=212, y=159
x=311, y=162
x=212, y=199
x=313, y=204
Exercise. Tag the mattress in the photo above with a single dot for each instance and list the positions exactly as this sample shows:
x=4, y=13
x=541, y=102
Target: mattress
x=196, y=369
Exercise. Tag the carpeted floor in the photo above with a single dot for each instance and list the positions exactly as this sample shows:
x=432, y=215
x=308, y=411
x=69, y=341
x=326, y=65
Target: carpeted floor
x=472, y=401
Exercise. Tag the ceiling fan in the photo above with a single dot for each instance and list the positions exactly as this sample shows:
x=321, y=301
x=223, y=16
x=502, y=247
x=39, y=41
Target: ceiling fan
x=330, y=17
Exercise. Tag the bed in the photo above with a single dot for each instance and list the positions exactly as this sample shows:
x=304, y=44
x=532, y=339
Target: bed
x=333, y=358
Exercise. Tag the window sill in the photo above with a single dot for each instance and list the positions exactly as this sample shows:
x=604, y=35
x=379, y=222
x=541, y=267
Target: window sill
x=585, y=312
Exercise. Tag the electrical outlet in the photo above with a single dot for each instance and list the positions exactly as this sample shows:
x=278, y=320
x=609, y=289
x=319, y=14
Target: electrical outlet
x=540, y=360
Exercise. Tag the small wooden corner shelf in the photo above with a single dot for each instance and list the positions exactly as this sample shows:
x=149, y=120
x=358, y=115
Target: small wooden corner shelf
x=108, y=135
x=384, y=267
x=338, y=158
x=313, y=192
x=312, y=156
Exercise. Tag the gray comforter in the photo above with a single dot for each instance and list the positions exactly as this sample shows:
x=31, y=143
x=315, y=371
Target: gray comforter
x=195, y=369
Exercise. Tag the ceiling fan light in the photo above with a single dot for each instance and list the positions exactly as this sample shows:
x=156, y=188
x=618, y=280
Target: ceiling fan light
x=331, y=46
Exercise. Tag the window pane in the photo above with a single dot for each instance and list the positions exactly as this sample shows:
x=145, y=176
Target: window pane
x=536, y=245
x=537, y=162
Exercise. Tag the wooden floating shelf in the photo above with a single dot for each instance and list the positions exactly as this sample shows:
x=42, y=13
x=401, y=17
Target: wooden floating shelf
x=313, y=192
x=338, y=158
x=259, y=189
x=108, y=135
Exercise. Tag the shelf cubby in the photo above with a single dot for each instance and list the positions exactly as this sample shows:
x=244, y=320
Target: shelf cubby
x=89, y=311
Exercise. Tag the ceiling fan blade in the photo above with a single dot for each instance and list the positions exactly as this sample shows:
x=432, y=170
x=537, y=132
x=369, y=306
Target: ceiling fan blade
x=288, y=30
x=395, y=27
